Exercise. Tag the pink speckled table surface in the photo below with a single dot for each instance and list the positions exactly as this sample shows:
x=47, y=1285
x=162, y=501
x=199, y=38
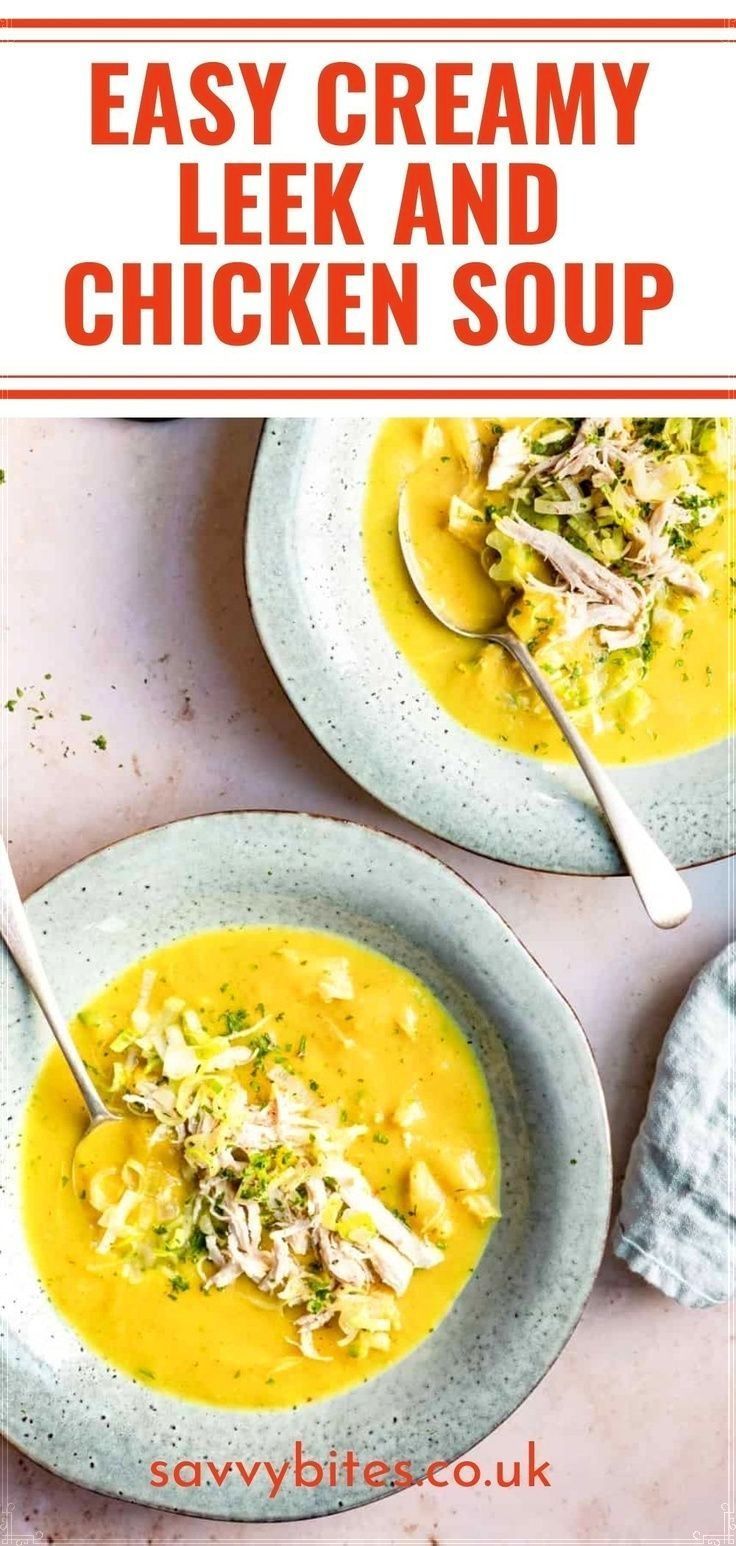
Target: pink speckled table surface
x=127, y=604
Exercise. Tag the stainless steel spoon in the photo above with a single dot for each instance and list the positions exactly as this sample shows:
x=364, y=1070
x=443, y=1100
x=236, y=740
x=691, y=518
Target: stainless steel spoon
x=16, y=931
x=663, y=892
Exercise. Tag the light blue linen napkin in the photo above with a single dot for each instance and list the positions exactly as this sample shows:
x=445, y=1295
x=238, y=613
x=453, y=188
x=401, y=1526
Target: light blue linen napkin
x=676, y=1224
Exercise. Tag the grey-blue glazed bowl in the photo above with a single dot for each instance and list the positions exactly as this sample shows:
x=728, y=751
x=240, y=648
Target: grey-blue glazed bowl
x=323, y=633
x=93, y=1424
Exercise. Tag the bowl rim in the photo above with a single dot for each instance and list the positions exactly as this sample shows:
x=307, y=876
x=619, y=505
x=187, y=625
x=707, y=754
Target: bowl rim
x=604, y=1130
x=262, y=451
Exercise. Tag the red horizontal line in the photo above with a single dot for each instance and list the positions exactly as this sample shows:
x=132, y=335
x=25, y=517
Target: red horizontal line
x=256, y=394
x=223, y=375
x=358, y=23
x=321, y=41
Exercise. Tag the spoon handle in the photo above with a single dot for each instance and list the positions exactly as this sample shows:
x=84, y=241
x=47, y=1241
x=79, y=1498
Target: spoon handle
x=16, y=931
x=663, y=892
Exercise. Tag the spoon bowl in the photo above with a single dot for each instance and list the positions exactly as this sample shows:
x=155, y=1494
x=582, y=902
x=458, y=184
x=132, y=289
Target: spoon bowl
x=95, y=1152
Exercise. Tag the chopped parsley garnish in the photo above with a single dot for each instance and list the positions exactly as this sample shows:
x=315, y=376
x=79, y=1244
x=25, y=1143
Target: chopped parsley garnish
x=235, y=1020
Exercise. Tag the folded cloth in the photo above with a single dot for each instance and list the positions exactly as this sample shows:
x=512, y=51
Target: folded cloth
x=676, y=1221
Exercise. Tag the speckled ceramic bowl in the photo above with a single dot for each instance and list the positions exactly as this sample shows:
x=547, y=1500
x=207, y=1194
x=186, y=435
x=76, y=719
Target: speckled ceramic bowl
x=324, y=635
x=95, y=1425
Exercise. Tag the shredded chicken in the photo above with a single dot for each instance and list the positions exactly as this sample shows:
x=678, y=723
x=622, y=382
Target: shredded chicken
x=394, y=1268
x=354, y=1189
x=346, y=1264
x=613, y=506
x=652, y=558
x=581, y=573
x=274, y=1199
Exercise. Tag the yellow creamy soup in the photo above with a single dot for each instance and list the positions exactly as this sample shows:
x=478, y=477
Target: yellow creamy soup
x=311, y=1137
x=604, y=544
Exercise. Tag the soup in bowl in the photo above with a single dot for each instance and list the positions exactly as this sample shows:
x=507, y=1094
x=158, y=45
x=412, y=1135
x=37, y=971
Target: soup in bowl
x=602, y=543
x=386, y=1263
x=306, y=1175
x=624, y=606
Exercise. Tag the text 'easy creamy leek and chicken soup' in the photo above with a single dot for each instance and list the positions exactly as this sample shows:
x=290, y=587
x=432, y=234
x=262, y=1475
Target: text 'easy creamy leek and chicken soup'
x=603, y=544
x=307, y=1177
